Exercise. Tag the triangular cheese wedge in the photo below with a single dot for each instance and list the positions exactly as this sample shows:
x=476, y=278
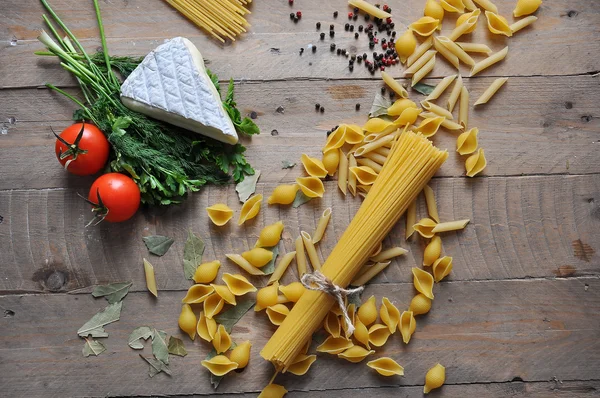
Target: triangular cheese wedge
x=171, y=84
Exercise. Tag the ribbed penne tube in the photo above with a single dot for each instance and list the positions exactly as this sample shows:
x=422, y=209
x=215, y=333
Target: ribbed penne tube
x=388, y=254
x=462, y=28
x=420, y=63
x=489, y=61
x=370, y=163
x=446, y=53
x=441, y=87
x=351, y=176
x=487, y=5
x=380, y=159
x=343, y=173
x=394, y=85
x=463, y=108
x=438, y=110
x=411, y=219
x=322, y=225
x=447, y=123
x=424, y=71
x=450, y=226
x=371, y=146
x=150, y=278
x=522, y=23
x=300, y=257
x=431, y=203
x=311, y=251
x=244, y=264
x=490, y=91
x=455, y=93
x=283, y=265
x=383, y=151
x=419, y=51
x=369, y=9
x=370, y=273
x=475, y=47
x=456, y=50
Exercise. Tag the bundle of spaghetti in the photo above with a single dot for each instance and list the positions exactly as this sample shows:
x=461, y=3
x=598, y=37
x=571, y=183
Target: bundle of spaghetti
x=412, y=162
x=220, y=18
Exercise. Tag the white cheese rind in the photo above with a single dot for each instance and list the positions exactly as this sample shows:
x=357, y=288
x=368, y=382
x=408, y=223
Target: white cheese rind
x=171, y=84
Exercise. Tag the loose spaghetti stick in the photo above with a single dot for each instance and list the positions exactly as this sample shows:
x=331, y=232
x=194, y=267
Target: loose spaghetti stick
x=394, y=85
x=475, y=47
x=456, y=50
x=419, y=51
x=343, y=173
x=370, y=273
x=150, y=278
x=373, y=145
x=438, y=110
x=352, y=176
x=431, y=204
x=388, y=254
x=370, y=163
x=462, y=28
x=463, y=108
x=487, y=5
x=440, y=88
x=244, y=264
x=450, y=226
x=369, y=9
x=489, y=61
x=311, y=251
x=411, y=219
x=420, y=63
x=300, y=257
x=490, y=91
x=520, y=24
x=322, y=225
x=447, y=123
x=284, y=263
x=442, y=49
x=455, y=93
x=424, y=71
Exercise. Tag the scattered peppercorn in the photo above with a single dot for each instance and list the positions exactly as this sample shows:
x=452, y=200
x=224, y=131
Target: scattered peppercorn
x=335, y=14
x=350, y=15
x=394, y=34
x=292, y=15
x=299, y=14
x=332, y=46
x=291, y=2
x=392, y=94
x=253, y=115
x=314, y=48
x=339, y=51
x=322, y=109
x=360, y=28
x=382, y=90
x=357, y=107
x=350, y=67
x=353, y=57
x=351, y=28
x=331, y=33
x=301, y=50
x=318, y=25
x=367, y=17
x=355, y=17
x=347, y=27
x=359, y=59
x=384, y=46
x=322, y=35
x=317, y=106
x=296, y=18
x=371, y=45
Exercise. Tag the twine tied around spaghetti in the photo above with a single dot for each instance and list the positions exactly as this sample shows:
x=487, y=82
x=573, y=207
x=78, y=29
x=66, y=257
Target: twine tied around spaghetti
x=319, y=282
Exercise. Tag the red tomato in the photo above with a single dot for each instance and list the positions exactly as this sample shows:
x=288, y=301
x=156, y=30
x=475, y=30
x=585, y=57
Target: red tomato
x=83, y=149
x=115, y=197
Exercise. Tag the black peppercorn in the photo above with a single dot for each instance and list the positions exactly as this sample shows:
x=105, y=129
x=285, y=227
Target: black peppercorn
x=357, y=107
x=317, y=106
x=332, y=46
x=351, y=28
x=382, y=90
x=331, y=33
x=383, y=40
x=296, y=18
x=394, y=34
x=322, y=109
x=301, y=50
x=359, y=58
x=365, y=56
x=314, y=48
x=318, y=25
x=355, y=17
x=292, y=15
x=347, y=27
x=356, y=35
x=335, y=14
x=350, y=67
x=339, y=51
x=371, y=45
x=392, y=25
x=353, y=57
x=331, y=27
x=322, y=35
x=392, y=94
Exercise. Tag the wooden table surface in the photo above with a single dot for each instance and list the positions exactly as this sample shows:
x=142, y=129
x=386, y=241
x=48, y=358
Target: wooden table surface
x=518, y=316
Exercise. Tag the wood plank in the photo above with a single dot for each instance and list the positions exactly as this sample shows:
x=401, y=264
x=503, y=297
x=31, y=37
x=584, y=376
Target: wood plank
x=534, y=126
x=520, y=228
x=564, y=27
x=483, y=332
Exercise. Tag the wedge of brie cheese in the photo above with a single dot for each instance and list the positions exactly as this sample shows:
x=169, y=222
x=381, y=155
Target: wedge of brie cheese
x=171, y=84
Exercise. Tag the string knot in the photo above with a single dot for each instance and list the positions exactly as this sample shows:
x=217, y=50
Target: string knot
x=318, y=281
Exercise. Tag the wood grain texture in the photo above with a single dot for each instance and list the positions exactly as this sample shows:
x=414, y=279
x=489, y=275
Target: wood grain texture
x=520, y=228
x=521, y=334
x=537, y=125
x=564, y=34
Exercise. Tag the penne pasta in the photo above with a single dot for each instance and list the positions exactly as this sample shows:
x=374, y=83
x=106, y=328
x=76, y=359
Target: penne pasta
x=447, y=123
x=343, y=173
x=370, y=273
x=446, y=53
x=388, y=254
x=455, y=93
x=489, y=61
x=283, y=265
x=424, y=71
x=351, y=176
x=150, y=278
x=244, y=264
x=411, y=219
x=487, y=5
x=469, y=5
x=370, y=163
x=475, y=47
x=380, y=159
x=382, y=151
x=311, y=251
x=463, y=28
x=450, y=226
x=490, y=91
x=420, y=63
x=322, y=225
x=300, y=257
x=419, y=51
x=431, y=203
x=394, y=85
x=441, y=87
x=369, y=9
x=456, y=50
x=520, y=24
x=463, y=108
x=363, y=150
x=438, y=110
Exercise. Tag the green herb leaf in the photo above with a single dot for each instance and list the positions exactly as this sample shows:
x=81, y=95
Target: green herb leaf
x=143, y=332
x=156, y=366
x=229, y=97
x=300, y=199
x=110, y=314
x=176, y=347
x=246, y=188
x=286, y=164
x=120, y=124
x=247, y=126
x=192, y=254
x=230, y=317
x=92, y=347
x=158, y=244
x=423, y=88
x=269, y=268
x=159, y=346
x=214, y=79
x=380, y=106
x=113, y=292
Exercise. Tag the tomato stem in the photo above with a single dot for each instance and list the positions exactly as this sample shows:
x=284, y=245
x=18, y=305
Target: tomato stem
x=73, y=149
x=99, y=209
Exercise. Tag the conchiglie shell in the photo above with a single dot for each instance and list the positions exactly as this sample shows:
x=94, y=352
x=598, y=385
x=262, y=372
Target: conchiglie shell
x=408, y=116
x=497, y=24
x=270, y=235
x=334, y=345
x=219, y=365
x=425, y=227
x=361, y=333
x=406, y=44
x=213, y=305
x=267, y=296
x=386, y=367
x=433, y=9
x=407, y=325
x=453, y=5
x=475, y=163
x=331, y=160
x=206, y=327
x=241, y=354
x=355, y=354
x=464, y=17
x=420, y=304
x=224, y=292
x=277, y=313
x=311, y=186
x=219, y=214
x=187, y=321
x=400, y=106
x=389, y=314
x=332, y=324
x=354, y=134
x=222, y=340
x=441, y=268
x=197, y=294
x=313, y=166
x=432, y=251
x=238, y=284
x=467, y=142
x=423, y=282
x=258, y=257
x=250, y=209
x=283, y=194
x=376, y=125
x=364, y=174
x=428, y=127
x=378, y=334
x=425, y=26
x=293, y=291
x=301, y=364
x=273, y=391
x=367, y=312
x=337, y=139
x=526, y=7
x=434, y=378
x=207, y=272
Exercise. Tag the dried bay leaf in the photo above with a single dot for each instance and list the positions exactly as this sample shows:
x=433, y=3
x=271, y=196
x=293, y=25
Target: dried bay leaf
x=380, y=106
x=286, y=164
x=300, y=199
x=355, y=299
x=97, y=332
x=230, y=317
x=156, y=366
x=158, y=244
x=113, y=292
x=159, y=346
x=269, y=268
x=176, y=347
x=192, y=254
x=143, y=332
x=423, y=88
x=247, y=187
x=110, y=314
x=92, y=347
